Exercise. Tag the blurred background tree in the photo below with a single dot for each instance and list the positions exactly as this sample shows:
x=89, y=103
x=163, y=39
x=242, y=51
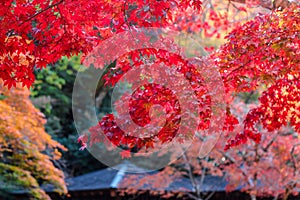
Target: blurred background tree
x=52, y=94
x=27, y=153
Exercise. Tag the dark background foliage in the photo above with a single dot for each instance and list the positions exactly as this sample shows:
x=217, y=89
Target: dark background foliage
x=52, y=94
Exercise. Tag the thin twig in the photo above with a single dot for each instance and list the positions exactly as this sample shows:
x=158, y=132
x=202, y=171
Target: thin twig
x=36, y=14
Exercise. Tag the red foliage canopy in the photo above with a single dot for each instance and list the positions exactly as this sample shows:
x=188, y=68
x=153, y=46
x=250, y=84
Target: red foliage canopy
x=262, y=51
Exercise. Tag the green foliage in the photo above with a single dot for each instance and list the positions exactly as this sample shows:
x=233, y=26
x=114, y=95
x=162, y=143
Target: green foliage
x=249, y=97
x=16, y=178
x=2, y=97
x=52, y=94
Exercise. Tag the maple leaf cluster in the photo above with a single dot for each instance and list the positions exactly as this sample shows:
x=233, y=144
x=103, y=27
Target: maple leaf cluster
x=143, y=99
x=265, y=51
x=34, y=34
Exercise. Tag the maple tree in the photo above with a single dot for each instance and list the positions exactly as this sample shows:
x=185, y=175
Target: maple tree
x=27, y=152
x=268, y=55
x=263, y=51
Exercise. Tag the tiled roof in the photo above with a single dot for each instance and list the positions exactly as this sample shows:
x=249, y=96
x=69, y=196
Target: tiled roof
x=110, y=178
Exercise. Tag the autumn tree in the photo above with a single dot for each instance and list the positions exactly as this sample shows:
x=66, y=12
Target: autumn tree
x=27, y=152
x=262, y=51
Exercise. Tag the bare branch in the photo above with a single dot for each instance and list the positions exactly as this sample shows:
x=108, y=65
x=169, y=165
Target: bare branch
x=191, y=175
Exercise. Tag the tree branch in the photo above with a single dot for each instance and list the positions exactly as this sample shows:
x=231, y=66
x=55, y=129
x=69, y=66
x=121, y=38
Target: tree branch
x=269, y=4
x=36, y=14
x=191, y=175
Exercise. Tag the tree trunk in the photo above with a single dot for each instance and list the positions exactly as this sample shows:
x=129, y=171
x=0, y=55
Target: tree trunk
x=286, y=196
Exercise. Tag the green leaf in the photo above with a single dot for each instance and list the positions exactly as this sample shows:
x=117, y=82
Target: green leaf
x=2, y=97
